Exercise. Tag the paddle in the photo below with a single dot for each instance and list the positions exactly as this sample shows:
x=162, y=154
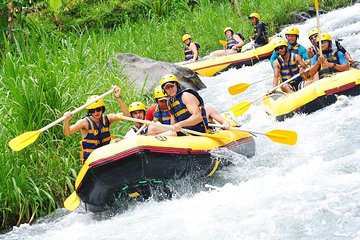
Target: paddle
x=72, y=202
x=276, y=135
x=20, y=142
x=241, y=87
x=242, y=107
x=223, y=42
x=218, y=135
x=318, y=24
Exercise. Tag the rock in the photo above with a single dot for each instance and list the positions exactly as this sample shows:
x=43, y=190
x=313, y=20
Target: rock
x=299, y=17
x=146, y=72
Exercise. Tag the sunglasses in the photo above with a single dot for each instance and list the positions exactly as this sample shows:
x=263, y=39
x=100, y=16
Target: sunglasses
x=313, y=37
x=98, y=109
x=279, y=48
x=322, y=43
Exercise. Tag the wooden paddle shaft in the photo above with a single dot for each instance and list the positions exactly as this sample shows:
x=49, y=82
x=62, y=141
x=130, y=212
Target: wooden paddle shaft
x=75, y=111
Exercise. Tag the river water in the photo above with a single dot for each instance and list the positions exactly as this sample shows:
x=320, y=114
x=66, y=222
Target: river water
x=307, y=191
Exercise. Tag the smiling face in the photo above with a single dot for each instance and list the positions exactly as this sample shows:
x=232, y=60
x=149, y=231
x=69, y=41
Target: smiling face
x=96, y=113
x=281, y=50
x=170, y=89
x=228, y=33
x=291, y=38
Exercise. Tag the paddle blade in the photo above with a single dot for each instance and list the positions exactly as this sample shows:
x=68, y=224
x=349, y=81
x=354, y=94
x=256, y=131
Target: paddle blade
x=238, y=88
x=240, y=108
x=223, y=42
x=72, y=202
x=24, y=140
x=282, y=136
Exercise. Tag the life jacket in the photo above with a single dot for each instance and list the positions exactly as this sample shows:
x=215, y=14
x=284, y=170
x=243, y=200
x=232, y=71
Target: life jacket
x=97, y=136
x=230, y=43
x=289, y=68
x=293, y=48
x=331, y=57
x=189, y=53
x=263, y=36
x=142, y=132
x=162, y=116
x=180, y=112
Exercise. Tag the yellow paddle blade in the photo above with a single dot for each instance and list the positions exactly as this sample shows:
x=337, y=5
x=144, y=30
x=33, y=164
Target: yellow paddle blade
x=238, y=88
x=72, y=202
x=223, y=42
x=24, y=140
x=282, y=136
x=240, y=108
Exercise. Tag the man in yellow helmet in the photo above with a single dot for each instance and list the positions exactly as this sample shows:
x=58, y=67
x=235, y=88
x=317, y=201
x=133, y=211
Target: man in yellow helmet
x=191, y=50
x=233, y=44
x=261, y=35
x=95, y=127
x=292, y=35
x=331, y=60
x=187, y=107
x=137, y=110
x=286, y=66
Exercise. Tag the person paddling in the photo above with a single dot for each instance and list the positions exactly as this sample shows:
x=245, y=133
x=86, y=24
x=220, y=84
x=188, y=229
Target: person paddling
x=311, y=51
x=95, y=127
x=286, y=66
x=330, y=62
x=137, y=110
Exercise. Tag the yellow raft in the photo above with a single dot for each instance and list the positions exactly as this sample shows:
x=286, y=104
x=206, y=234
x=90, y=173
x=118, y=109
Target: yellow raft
x=315, y=96
x=117, y=171
x=210, y=67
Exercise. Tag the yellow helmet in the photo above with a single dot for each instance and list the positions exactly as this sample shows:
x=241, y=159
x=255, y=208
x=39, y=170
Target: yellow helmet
x=279, y=42
x=186, y=37
x=168, y=78
x=136, y=106
x=158, y=93
x=227, y=29
x=324, y=36
x=313, y=32
x=292, y=30
x=98, y=103
x=255, y=15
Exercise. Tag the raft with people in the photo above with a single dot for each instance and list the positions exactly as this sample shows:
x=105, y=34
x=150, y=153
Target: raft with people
x=313, y=97
x=249, y=56
x=117, y=171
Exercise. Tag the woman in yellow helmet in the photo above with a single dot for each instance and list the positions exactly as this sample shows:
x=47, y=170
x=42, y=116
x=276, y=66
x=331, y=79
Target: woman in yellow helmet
x=233, y=44
x=95, y=127
x=313, y=50
x=191, y=50
x=261, y=35
x=331, y=60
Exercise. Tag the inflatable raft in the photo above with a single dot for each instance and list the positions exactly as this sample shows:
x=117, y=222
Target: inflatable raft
x=117, y=170
x=313, y=97
x=211, y=66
